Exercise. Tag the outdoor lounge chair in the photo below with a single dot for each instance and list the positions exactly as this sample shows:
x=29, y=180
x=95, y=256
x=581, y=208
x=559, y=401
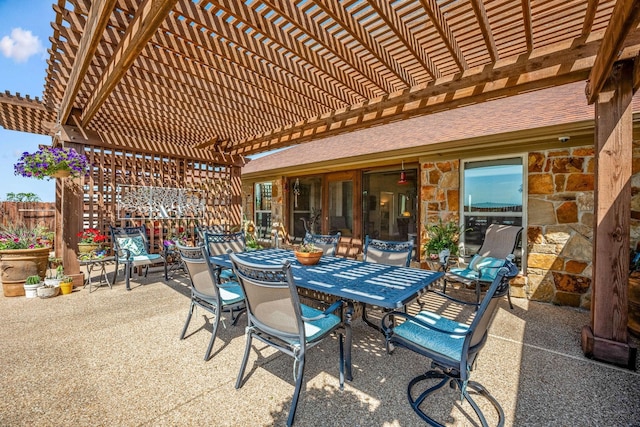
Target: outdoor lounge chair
x=131, y=248
x=277, y=318
x=205, y=292
x=499, y=242
x=388, y=252
x=451, y=345
x=327, y=242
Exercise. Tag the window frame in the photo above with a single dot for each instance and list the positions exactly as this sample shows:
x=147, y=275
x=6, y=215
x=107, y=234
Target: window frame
x=257, y=191
x=525, y=196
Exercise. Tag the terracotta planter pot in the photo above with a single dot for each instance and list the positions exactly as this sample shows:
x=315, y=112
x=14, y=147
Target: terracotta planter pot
x=308, y=258
x=18, y=264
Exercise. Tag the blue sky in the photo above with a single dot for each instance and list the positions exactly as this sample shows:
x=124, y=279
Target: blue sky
x=24, y=39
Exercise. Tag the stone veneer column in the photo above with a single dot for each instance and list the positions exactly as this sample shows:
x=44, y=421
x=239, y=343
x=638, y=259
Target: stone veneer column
x=440, y=193
x=560, y=226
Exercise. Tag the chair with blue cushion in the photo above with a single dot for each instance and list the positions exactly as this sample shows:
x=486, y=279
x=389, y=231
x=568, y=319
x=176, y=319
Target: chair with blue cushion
x=396, y=253
x=327, y=242
x=452, y=345
x=207, y=294
x=131, y=248
x=277, y=318
x=223, y=243
x=499, y=242
x=388, y=252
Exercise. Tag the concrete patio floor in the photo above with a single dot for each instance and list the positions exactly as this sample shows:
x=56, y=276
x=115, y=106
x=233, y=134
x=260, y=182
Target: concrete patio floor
x=113, y=358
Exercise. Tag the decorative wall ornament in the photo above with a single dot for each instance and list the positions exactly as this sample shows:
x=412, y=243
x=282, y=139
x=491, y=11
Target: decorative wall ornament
x=146, y=202
x=296, y=192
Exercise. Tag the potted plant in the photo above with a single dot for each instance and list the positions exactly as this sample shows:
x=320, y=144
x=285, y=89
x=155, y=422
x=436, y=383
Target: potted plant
x=251, y=242
x=31, y=286
x=52, y=162
x=308, y=254
x=54, y=279
x=442, y=240
x=21, y=255
x=66, y=285
x=90, y=240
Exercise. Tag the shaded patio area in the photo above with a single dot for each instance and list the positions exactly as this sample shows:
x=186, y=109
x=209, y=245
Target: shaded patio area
x=113, y=357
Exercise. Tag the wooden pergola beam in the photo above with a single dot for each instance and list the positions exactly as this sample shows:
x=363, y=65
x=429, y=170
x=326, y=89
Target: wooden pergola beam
x=92, y=34
x=485, y=28
x=145, y=145
x=624, y=19
x=386, y=12
x=440, y=23
x=142, y=27
x=589, y=16
x=528, y=27
x=636, y=73
x=560, y=64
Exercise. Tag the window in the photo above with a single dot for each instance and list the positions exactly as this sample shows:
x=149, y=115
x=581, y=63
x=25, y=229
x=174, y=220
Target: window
x=306, y=204
x=492, y=194
x=263, y=210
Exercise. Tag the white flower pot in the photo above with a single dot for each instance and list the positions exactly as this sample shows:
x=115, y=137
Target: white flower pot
x=31, y=291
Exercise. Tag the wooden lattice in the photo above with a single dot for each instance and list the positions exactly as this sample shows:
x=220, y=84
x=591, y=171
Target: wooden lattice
x=112, y=168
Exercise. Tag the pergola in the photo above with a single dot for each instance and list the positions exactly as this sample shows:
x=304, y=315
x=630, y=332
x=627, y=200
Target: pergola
x=217, y=80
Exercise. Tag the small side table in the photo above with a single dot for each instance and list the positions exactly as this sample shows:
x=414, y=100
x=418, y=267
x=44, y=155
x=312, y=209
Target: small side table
x=101, y=265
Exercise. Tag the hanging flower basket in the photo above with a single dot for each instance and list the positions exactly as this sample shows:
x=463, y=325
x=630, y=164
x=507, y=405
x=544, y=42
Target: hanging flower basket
x=52, y=162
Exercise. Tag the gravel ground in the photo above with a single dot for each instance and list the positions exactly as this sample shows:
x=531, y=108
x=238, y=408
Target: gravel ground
x=113, y=358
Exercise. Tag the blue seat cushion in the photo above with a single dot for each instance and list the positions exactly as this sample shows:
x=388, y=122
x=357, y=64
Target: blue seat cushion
x=484, y=268
x=231, y=293
x=142, y=259
x=441, y=343
x=315, y=329
x=227, y=274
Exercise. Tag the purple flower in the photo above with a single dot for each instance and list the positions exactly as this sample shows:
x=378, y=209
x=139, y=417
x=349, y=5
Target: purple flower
x=48, y=160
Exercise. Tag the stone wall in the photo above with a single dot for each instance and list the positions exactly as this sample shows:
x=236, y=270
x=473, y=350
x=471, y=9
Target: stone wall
x=560, y=226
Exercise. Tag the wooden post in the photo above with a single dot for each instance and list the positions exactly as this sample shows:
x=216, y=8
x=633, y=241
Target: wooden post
x=69, y=210
x=607, y=338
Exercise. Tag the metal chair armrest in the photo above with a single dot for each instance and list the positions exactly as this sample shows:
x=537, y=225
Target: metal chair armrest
x=333, y=307
x=450, y=298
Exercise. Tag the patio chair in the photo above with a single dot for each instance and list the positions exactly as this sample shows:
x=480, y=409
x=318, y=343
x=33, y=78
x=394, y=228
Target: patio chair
x=277, y=318
x=499, y=242
x=327, y=242
x=223, y=243
x=215, y=229
x=205, y=292
x=451, y=345
x=388, y=252
x=385, y=252
x=131, y=247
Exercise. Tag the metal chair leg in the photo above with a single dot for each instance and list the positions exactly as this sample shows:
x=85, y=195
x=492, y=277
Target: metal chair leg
x=296, y=393
x=186, y=324
x=243, y=366
x=216, y=322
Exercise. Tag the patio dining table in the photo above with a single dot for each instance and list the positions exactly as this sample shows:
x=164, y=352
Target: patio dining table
x=384, y=286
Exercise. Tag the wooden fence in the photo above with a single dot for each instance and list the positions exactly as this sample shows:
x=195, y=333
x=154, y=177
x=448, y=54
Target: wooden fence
x=31, y=214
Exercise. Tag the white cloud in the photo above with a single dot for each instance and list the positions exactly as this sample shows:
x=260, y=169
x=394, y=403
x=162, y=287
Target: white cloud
x=21, y=45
